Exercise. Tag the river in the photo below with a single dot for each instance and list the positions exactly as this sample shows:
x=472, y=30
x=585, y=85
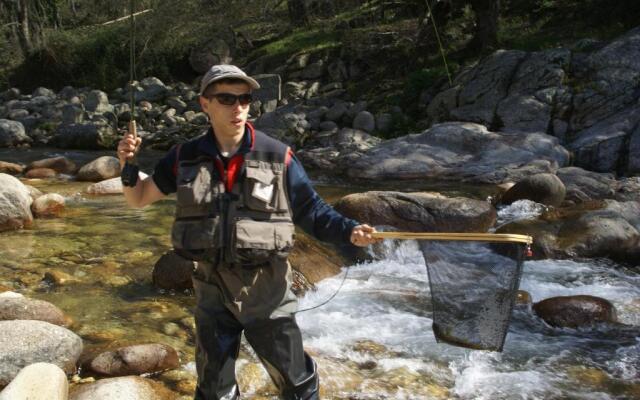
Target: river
x=372, y=341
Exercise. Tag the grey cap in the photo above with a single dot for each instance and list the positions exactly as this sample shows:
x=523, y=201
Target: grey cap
x=224, y=71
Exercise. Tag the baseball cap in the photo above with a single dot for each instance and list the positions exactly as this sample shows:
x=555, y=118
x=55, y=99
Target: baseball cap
x=224, y=71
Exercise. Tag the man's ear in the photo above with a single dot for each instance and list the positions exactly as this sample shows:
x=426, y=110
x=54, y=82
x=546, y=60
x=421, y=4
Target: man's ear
x=204, y=103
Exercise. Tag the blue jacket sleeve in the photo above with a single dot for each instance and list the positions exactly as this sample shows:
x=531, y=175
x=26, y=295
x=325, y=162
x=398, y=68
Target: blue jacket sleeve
x=311, y=213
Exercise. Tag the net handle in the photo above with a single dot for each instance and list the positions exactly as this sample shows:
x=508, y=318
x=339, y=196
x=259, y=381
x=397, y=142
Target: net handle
x=474, y=237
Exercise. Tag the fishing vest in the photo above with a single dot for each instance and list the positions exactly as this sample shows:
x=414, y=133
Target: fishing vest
x=250, y=225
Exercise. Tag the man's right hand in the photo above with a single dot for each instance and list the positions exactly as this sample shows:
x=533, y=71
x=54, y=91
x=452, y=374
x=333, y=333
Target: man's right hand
x=128, y=147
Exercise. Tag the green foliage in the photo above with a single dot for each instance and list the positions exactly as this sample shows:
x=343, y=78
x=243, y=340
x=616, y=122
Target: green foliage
x=417, y=82
x=301, y=41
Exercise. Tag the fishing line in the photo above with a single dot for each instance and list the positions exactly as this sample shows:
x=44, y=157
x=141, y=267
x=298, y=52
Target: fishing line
x=344, y=278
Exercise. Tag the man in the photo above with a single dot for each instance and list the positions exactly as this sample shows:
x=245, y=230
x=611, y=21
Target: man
x=239, y=193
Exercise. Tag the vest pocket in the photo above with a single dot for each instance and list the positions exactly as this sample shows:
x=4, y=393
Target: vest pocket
x=262, y=188
x=257, y=242
x=194, y=184
x=197, y=238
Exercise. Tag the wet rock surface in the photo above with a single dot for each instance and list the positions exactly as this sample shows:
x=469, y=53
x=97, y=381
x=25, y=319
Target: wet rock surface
x=135, y=360
x=26, y=342
x=419, y=212
x=575, y=311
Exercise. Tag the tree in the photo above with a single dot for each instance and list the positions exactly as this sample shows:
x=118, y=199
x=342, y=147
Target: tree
x=298, y=14
x=486, y=21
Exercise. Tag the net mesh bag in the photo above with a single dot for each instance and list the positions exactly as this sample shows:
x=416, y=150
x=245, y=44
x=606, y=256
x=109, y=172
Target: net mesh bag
x=473, y=290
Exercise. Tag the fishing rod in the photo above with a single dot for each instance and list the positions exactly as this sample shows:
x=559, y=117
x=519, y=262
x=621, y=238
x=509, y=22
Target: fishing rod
x=130, y=171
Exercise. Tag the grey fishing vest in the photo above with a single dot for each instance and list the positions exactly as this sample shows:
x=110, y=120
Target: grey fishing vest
x=251, y=224
x=244, y=235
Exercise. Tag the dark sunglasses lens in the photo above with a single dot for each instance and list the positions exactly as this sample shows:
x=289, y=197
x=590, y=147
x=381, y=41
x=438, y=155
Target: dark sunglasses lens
x=226, y=98
x=245, y=99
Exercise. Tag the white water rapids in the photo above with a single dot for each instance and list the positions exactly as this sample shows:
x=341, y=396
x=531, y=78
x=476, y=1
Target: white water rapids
x=387, y=302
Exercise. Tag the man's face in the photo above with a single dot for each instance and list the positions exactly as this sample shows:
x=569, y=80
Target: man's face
x=228, y=120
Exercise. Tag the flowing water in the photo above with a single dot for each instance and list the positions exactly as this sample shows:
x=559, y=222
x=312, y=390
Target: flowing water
x=372, y=341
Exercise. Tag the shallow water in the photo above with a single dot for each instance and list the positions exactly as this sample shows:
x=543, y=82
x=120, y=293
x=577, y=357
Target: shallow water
x=372, y=341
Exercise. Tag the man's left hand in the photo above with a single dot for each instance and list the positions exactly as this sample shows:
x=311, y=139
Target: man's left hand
x=361, y=235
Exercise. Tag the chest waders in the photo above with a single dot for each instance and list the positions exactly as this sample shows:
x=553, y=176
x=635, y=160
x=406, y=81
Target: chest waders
x=240, y=234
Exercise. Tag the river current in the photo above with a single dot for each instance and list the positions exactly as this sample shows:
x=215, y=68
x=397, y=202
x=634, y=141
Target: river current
x=372, y=341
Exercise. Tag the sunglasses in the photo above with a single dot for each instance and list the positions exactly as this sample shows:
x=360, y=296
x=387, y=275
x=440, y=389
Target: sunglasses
x=229, y=99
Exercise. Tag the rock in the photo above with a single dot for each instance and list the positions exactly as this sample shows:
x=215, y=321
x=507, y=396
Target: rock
x=10, y=94
x=364, y=121
x=336, y=112
x=97, y=101
x=125, y=388
x=582, y=185
x=48, y=205
x=40, y=173
x=575, y=311
x=12, y=133
x=172, y=271
x=353, y=140
x=545, y=189
x=153, y=90
x=89, y=136
x=38, y=381
x=177, y=104
x=72, y=114
x=15, y=204
x=419, y=212
x=314, y=260
x=23, y=308
x=338, y=71
x=591, y=229
x=464, y=152
x=270, y=87
x=44, y=92
x=109, y=186
x=313, y=71
x=135, y=360
x=61, y=165
x=59, y=278
x=384, y=122
x=100, y=169
x=482, y=88
x=10, y=168
x=26, y=342
x=601, y=233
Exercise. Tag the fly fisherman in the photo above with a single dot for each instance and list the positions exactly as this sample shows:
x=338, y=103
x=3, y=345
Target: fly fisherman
x=239, y=194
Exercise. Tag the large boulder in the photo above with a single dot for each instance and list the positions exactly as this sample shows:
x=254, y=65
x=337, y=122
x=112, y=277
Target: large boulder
x=23, y=343
x=582, y=185
x=592, y=229
x=90, y=136
x=575, y=311
x=100, y=169
x=12, y=133
x=545, y=189
x=124, y=388
x=61, y=165
x=15, y=204
x=135, y=360
x=39, y=381
x=464, y=152
x=23, y=308
x=419, y=212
